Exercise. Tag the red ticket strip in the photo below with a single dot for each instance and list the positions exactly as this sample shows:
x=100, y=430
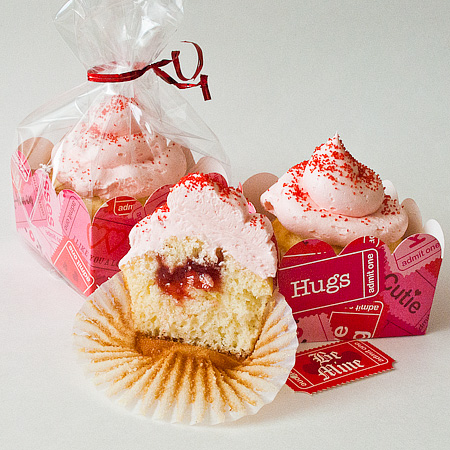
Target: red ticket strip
x=324, y=367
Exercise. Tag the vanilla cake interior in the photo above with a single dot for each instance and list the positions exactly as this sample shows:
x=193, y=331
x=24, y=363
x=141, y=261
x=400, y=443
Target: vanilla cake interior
x=186, y=294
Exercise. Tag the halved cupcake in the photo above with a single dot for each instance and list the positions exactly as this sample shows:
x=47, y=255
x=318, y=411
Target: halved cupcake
x=200, y=269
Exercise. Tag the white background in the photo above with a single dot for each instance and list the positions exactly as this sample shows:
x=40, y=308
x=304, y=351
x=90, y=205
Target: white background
x=284, y=77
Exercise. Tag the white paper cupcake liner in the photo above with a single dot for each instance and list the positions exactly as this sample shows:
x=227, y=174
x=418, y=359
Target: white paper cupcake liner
x=173, y=386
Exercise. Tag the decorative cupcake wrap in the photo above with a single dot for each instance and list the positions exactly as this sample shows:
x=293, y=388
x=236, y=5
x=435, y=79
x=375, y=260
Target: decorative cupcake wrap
x=169, y=382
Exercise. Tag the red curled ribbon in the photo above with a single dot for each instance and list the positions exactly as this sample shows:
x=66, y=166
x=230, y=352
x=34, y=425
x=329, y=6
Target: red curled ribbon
x=97, y=75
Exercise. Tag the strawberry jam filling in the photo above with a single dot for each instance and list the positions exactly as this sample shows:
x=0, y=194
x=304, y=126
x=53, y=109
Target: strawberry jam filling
x=178, y=281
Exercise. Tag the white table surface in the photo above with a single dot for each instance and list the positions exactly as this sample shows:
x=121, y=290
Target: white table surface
x=283, y=79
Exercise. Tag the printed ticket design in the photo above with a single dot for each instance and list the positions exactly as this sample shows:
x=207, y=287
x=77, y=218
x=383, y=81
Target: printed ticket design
x=364, y=292
x=85, y=251
x=331, y=365
x=319, y=285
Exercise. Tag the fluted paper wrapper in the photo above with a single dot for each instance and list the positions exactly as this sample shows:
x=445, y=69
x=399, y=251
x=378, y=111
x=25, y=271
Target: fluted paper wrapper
x=170, y=383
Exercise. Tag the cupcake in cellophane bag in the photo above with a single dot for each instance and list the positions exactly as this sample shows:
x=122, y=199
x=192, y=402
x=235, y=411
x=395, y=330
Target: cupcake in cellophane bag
x=106, y=152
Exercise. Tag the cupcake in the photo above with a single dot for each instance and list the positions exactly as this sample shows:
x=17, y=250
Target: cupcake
x=335, y=198
x=200, y=269
x=110, y=154
x=191, y=329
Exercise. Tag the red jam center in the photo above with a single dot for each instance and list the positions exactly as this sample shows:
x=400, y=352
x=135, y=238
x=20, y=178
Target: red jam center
x=178, y=281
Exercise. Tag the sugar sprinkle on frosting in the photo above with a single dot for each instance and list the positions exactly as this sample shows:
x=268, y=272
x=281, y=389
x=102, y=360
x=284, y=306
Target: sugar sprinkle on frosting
x=335, y=198
x=218, y=214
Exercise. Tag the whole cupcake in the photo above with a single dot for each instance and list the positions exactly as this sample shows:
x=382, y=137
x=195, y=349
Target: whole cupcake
x=335, y=198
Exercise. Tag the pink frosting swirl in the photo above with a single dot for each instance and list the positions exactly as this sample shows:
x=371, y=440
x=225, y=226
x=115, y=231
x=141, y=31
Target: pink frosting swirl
x=337, y=182
x=110, y=154
x=335, y=198
x=218, y=215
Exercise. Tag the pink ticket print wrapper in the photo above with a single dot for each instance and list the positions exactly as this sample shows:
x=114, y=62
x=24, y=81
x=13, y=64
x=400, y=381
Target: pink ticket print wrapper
x=71, y=264
x=157, y=199
x=421, y=250
x=28, y=199
x=331, y=365
x=364, y=292
x=359, y=321
x=322, y=284
x=85, y=250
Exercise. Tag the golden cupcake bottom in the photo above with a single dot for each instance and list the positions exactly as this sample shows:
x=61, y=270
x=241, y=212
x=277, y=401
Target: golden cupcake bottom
x=177, y=382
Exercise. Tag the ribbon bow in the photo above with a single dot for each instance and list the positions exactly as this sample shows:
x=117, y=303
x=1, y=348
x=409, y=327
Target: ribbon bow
x=97, y=74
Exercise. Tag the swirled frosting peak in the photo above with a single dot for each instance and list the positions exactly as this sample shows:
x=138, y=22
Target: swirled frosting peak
x=337, y=182
x=335, y=198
